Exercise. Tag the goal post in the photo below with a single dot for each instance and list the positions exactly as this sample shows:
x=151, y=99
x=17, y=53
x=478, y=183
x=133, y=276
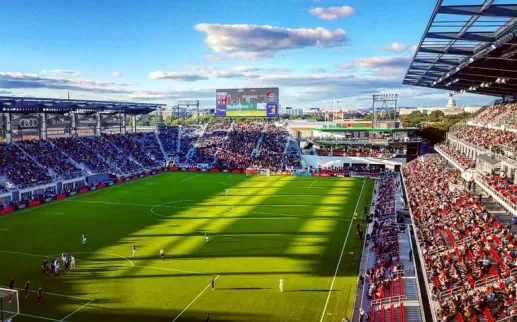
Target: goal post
x=258, y=172
x=9, y=304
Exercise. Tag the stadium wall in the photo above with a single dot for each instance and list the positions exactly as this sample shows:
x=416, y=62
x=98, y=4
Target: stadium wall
x=316, y=161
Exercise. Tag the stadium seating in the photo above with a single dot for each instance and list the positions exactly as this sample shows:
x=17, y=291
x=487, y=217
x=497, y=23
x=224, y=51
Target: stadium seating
x=169, y=138
x=189, y=136
x=19, y=167
x=271, y=152
x=470, y=258
x=486, y=137
x=84, y=150
x=223, y=144
x=497, y=115
x=457, y=156
x=49, y=156
x=211, y=140
x=242, y=140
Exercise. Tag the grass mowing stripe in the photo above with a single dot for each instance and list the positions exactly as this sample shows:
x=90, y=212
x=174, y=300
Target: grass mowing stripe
x=342, y=252
x=195, y=299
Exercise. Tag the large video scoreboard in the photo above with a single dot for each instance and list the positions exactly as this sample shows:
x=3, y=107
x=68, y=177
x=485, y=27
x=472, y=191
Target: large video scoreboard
x=247, y=102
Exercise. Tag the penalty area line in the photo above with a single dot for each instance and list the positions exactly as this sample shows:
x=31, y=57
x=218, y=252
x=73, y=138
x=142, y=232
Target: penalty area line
x=195, y=299
x=79, y=309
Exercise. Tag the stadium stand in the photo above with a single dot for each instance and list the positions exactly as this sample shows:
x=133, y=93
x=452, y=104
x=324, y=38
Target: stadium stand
x=272, y=147
x=212, y=139
x=20, y=168
x=189, y=136
x=169, y=136
x=461, y=158
x=237, y=151
x=50, y=157
x=469, y=257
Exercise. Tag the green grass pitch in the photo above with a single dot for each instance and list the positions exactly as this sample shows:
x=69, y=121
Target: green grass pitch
x=267, y=228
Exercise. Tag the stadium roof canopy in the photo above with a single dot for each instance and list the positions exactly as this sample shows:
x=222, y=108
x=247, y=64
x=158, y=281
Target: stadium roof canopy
x=54, y=105
x=468, y=48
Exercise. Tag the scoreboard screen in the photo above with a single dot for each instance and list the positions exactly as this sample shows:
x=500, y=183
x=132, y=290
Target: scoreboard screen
x=247, y=102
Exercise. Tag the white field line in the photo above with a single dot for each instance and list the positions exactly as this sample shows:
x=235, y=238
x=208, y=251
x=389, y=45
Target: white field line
x=341, y=256
x=69, y=315
x=99, y=262
x=313, y=183
x=287, y=216
x=195, y=299
x=187, y=179
x=54, y=294
x=32, y=316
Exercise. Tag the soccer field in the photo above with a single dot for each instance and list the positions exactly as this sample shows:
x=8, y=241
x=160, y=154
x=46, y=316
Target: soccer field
x=268, y=227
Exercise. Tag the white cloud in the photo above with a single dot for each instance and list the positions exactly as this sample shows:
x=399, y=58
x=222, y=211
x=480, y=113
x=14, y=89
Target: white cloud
x=172, y=94
x=249, y=69
x=395, y=47
x=116, y=74
x=19, y=81
x=253, y=41
x=205, y=73
x=61, y=73
x=414, y=48
x=332, y=13
x=176, y=76
x=345, y=66
x=383, y=62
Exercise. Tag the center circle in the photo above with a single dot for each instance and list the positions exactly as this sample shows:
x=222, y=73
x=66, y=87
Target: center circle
x=194, y=207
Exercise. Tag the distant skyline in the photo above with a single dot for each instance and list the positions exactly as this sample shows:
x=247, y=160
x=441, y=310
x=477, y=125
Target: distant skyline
x=315, y=51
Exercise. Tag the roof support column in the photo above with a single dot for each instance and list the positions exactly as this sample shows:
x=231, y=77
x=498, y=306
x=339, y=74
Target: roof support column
x=73, y=119
x=43, y=126
x=123, y=123
x=98, y=128
x=133, y=124
x=8, y=128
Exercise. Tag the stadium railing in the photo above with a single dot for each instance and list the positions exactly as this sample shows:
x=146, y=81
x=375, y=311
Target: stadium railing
x=420, y=255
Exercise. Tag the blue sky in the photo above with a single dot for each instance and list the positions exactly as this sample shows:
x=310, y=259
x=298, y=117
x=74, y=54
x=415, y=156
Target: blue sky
x=160, y=51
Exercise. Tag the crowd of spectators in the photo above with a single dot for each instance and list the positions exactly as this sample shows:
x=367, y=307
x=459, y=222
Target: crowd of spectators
x=470, y=258
x=236, y=151
x=83, y=150
x=271, y=152
x=19, y=167
x=486, y=137
x=132, y=145
x=189, y=136
x=499, y=114
x=51, y=157
x=457, y=156
x=384, y=279
x=169, y=136
x=503, y=186
x=151, y=146
x=210, y=142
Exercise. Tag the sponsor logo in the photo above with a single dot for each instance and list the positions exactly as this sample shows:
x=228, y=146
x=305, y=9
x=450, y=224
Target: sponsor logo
x=28, y=123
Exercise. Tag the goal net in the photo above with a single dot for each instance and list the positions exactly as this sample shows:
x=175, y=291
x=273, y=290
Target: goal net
x=9, y=304
x=258, y=172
